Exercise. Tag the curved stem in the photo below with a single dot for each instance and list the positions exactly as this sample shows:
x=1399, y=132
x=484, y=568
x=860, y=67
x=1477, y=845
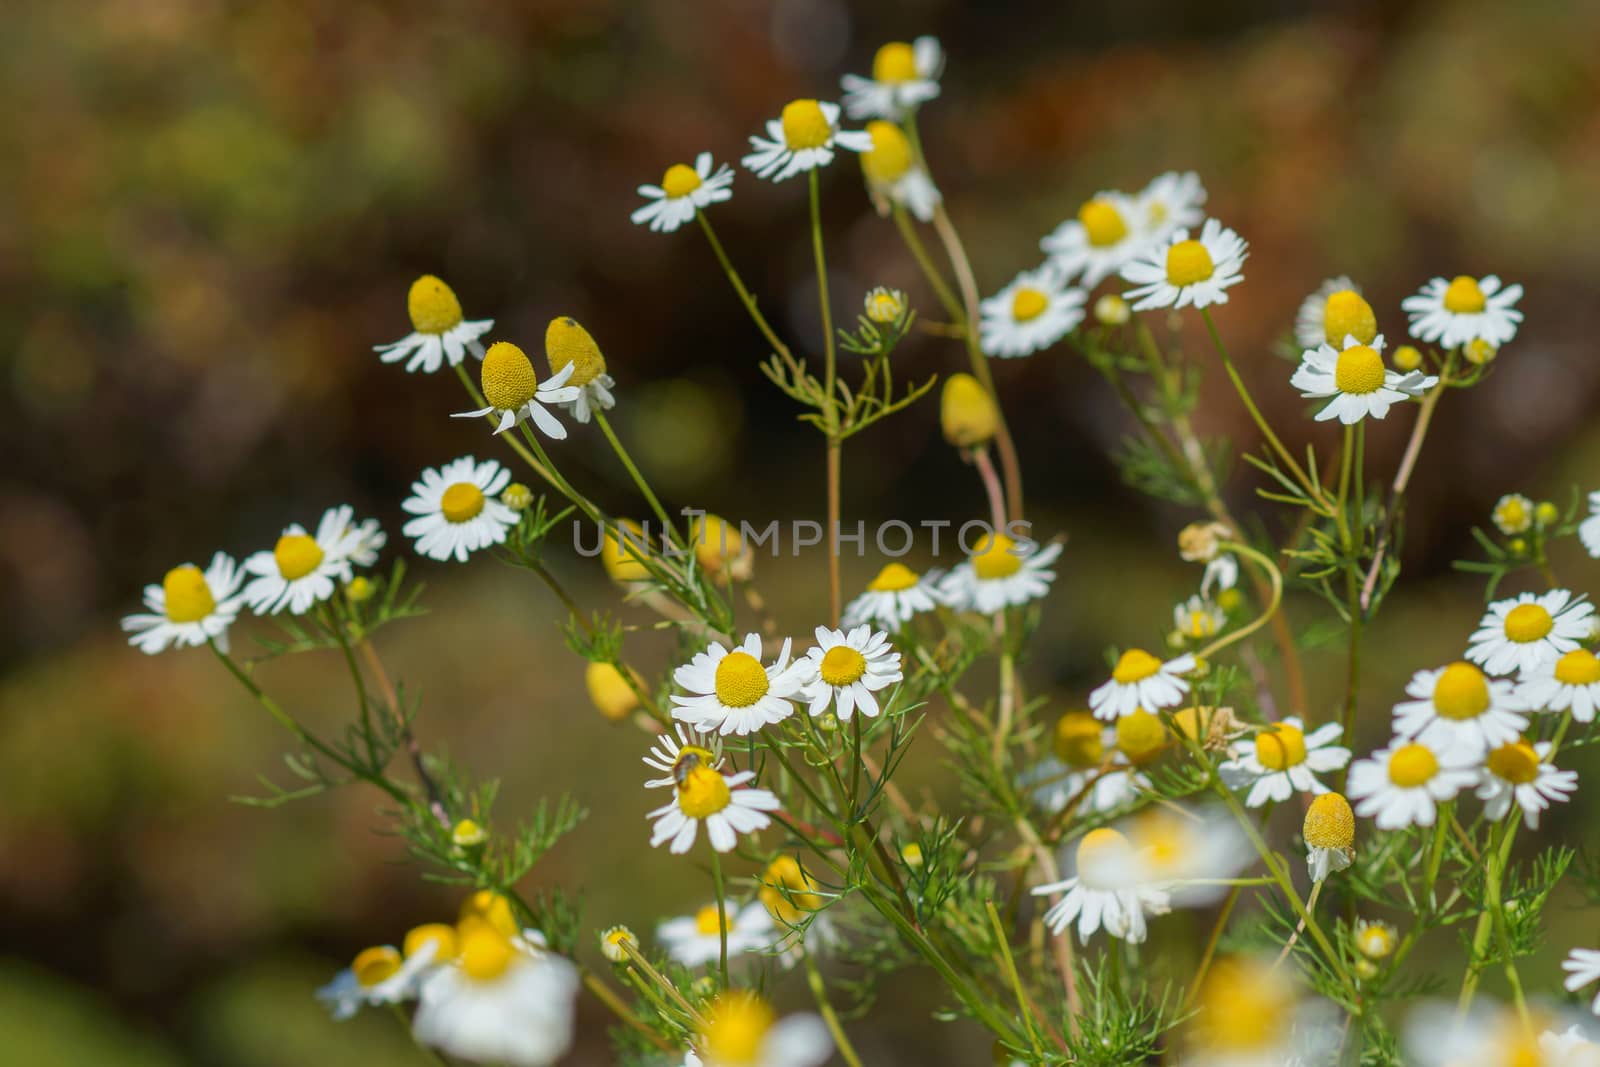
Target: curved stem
x=1273, y=575
x=819, y=992
x=829, y=389
x=633, y=471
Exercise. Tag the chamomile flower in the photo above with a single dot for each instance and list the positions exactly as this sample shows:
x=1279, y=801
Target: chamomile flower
x=1172, y=201
x=1189, y=854
x=1187, y=271
x=189, y=607
x=1522, y=632
x=1096, y=243
x=795, y=902
x=1513, y=514
x=1198, y=619
x=1086, y=757
x=677, y=756
x=1000, y=573
x=702, y=794
x=1570, y=682
x=1583, y=968
x=847, y=670
x=684, y=190
x=1200, y=542
x=1035, y=311
x=568, y=344
x=1140, y=680
x=1375, y=940
x=1403, y=784
x=439, y=333
x=1111, y=891
x=1249, y=1013
x=1283, y=759
x=742, y=1030
x=1459, y=707
x=368, y=980
x=904, y=76
x=1520, y=772
x=1571, y=1047
x=1441, y=1035
x=1329, y=830
x=893, y=597
x=1589, y=528
x=1464, y=309
x=1335, y=311
x=504, y=999
x=884, y=305
x=696, y=939
x=1355, y=377
x=513, y=391
x=803, y=138
x=458, y=510
x=301, y=570
x=733, y=691
x=893, y=174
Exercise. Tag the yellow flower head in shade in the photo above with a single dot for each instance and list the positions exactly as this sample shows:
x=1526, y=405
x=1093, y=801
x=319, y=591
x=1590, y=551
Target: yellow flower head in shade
x=1545, y=513
x=1244, y=1007
x=887, y=161
x=1330, y=823
x=719, y=548
x=188, y=596
x=468, y=834
x=1478, y=352
x=736, y=1027
x=621, y=555
x=433, y=306
x=1347, y=314
x=442, y=936
x=1079, y=739
x=894, y=63
x=1140, y=736
x=1407, y=358
x=788, y=892
x=567, y=342
x=491, y=909
x=610, y=692
x=967, y=412
x=911, y=854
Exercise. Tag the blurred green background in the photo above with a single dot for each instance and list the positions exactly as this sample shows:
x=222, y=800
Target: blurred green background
x=213, y=210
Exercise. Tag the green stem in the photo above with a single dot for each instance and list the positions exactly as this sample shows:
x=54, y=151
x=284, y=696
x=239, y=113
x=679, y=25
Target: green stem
x=1023, y=1007
x=829, y=391
x=819, y=993
x=722, y=916
x=633, y=471
x=745, y=296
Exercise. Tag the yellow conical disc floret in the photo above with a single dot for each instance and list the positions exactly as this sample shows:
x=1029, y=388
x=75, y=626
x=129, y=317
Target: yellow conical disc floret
x=967, y=412
x=297, y=555
x=895, y=62
x=486, y=952
x=1281, y=747
x=717, y=544
x=1140, y=735
x=492, y=908
x=188, y=597
x=1330, y=823
x=703, y=792
x=1189, y=262
x=509, y=380
x=1359, y=370
x=441, y=936
x=741, y=680
x=736, y=1027
x=680, y=180
x=1347, y=314
x=433, y=306
x=894, y=578
x=804, y=125
x=1079, y=739
x=890, y=155
x=609, y=691
x=375, y=965
x=565, y=341
x=1464, y=296
x=995, y=556
x=621, y=555
x=1102, y=223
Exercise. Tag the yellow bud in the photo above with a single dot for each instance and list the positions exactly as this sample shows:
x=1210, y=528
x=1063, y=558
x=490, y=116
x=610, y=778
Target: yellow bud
x=967, y=412
x=517, y=497
x=1479, y=352
x=1407, y=358
x=889, y=157
x=360, y=590
x=610, y=692
x=1546, y=513
x=621, y=555
x=1111, y=310
x=468, y=834
x=718, y=547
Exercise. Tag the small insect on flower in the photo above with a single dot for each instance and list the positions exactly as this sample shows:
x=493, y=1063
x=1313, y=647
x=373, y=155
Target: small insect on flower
x=734, y=691
x=1335, y=311
x=802, y=138
x=1112, y=890
x=1583, y=968
x=696, y=939
x=1171, y=202
x=1459, y=707
x=1096, y=243
x=893, y=175
x=683, y=192
x=1355, y=377
x=1000, y=573
x=1140, y=680
x=439, y=334
x=513, y=392
x=847, y=670
x=189, y=607
x=702, y=793
x=1464, y=309
x=1403, y=784
x=1329, y=830
x=1570, y=682
x=1589, y=528
x=968, y=414
x=568, y=344
x=1513, y=514
x=1521, y=772
x=301, y=570
x=1283, y=759
x=1037, y=309
x=1523, y=632
x=742, y=1030
x=457, y=509
x=904, y=76
x=1186, y=271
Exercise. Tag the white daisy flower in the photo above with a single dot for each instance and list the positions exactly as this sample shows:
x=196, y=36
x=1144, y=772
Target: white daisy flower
x=458, y=510
x=439, y=334
x=1464, y=309
x=893, y=597
x=1000, y=573
x=363, y=540
x=675, y=758
x=1283, y=759
x=1329, y=830
x=846, y=670
x=1187, y=271
x=514, y=392
x=1171, y=202
x=1140, y=680
x=1354, y=375
x=1375, y=940
x=1104, y=236
x=301, y=570
x=1086, y=757
x=684, y=190
x=1035, y=311
x=1111, y=890
x=1522, y=772
x=1459, y=707
x=1583, y=968
x=733, y=691
x=1440, y=1035
x=1589, y=528
x=703, y=794
x=1335, y=311
x=742, y=1030
x=904, y=76
x=1513, y=514
x=1570, y=682
x=1403, y=784
x=189, y=607
x=803, y=138
x=1198, y=618
x=696, y=939
x=1570, y=1048
x=892, y=172
x=368, y=980
x=1186, y=853
x=568, y=344
x=1250, y=1013
x=502, y=1000
x=1522, y=632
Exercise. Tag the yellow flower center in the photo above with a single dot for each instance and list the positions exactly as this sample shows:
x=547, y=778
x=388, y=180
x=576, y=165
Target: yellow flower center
x=702, y=792
x=1347, y=314
x=461, y=502
x=788, y=892
x=1188, y=262
x=708, y=921
x=441, y=935
x=1412, y=765
x=508, y=378
x=1103, y=858
x=1028, y=304
x=1528, y=622
x=490, y=907
x=621, y=553
x=1407, y=358
x=884, y=305
x=1464, y=297
x=467, y=833
x=1375, y=940
x=1135, y=665
x=1512, y=514
x=486, y=953
x=741, y=680
x=1102, y=223
x=565, y=341
x=373, y=965
x=895, y=62
x=1282, y=747
x=736, y=1028
x=1199, y=623
x=297, y=555
x=1516, y=762
x=894, y=578
x=1079, y=739
x=1359, y=370
x=188, y=597
x=1140, y=735
x=804, y=125
x=890, y=155
x=1244, y=1007
x=1462, y=692
x=680, y=180
x=842, y=665
x=994, y=557
x=967, y=413
x=433, y=306
x=609, y=691
x=1330, y=823
x=1578, y=667
x=1164, y=839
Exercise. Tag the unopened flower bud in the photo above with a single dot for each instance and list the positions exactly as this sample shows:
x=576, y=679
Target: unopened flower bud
x=1111, y=310
x=967, y=412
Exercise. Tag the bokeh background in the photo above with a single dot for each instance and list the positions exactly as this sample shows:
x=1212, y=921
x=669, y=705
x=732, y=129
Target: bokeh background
x=213, y=210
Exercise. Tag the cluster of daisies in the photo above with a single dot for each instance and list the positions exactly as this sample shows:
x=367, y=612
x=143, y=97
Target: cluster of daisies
x=999, y=573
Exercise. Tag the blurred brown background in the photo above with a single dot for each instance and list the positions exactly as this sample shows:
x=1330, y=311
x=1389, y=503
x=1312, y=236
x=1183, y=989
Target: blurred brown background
x=213, y=210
